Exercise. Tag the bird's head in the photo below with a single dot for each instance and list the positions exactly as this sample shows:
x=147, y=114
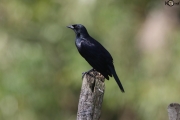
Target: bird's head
x=79, y=29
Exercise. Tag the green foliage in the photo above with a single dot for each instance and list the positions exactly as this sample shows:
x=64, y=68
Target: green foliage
x=40, y=73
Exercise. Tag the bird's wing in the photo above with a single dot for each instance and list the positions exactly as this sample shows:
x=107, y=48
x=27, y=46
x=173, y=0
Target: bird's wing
x=97, y=56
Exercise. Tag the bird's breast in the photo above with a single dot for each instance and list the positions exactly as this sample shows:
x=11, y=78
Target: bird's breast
x=78, y=44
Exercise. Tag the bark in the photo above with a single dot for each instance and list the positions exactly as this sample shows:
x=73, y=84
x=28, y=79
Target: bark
x=91, y=96
x=174, y=111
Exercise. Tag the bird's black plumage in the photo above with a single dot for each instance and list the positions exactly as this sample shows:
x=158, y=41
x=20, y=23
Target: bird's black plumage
x=94, y=53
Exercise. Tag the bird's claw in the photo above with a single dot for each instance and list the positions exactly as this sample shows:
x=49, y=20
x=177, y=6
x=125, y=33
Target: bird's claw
x=87, y=72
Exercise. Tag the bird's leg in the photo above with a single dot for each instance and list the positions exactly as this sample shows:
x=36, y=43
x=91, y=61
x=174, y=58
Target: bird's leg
x=87, y=72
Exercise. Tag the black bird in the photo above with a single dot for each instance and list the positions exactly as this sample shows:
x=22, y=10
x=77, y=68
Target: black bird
x=94, y=53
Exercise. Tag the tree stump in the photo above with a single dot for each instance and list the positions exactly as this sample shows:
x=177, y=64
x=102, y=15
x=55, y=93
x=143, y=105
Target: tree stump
x=174, y=111
x=91, y=96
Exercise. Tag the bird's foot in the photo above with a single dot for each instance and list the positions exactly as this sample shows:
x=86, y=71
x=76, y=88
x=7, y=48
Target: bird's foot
x=87, y=72
x=101, y=76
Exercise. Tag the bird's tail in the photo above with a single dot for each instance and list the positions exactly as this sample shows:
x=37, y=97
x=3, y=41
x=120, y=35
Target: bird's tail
x=112, y=69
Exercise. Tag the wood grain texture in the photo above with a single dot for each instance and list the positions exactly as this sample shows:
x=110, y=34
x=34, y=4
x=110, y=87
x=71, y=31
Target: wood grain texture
x=91, y=96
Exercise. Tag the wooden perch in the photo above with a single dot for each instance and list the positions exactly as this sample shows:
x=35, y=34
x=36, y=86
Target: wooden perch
x=174, y=111
x=91, y=96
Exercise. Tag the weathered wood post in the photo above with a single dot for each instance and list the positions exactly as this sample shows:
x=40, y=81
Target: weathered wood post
x=174, y=111
x=91, y=96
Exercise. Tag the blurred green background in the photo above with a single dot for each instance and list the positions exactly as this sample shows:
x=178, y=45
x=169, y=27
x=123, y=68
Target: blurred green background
x=40, y=67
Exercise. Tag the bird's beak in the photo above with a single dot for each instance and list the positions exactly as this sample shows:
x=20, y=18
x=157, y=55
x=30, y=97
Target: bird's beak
x=70, y=26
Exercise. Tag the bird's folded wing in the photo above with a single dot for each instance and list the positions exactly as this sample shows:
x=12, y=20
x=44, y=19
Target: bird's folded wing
x=97, y=56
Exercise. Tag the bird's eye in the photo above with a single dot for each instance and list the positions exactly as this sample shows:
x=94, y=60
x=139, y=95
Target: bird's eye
x=75, y=26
